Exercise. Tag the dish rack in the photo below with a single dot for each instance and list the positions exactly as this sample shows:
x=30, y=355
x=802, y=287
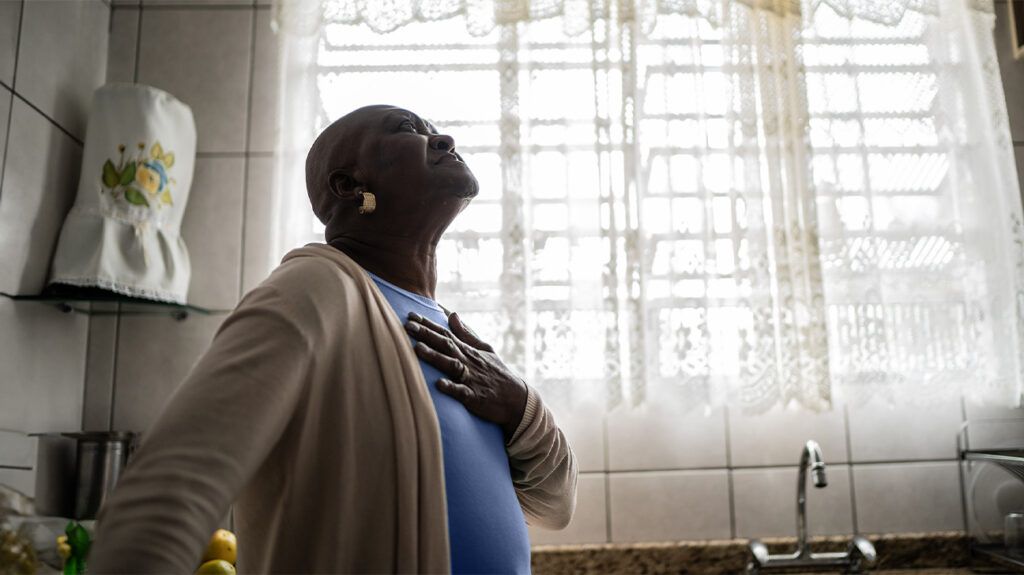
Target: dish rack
x=1011, y=460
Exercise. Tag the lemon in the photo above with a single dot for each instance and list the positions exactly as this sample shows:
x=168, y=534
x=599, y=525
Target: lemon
x=63, y=549
x=216, y=567
x=222, y=546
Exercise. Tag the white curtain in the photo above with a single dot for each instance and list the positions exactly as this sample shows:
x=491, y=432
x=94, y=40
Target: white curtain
x=702, y=202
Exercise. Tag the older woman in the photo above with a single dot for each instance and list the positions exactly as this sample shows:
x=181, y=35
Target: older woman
x=346, y=444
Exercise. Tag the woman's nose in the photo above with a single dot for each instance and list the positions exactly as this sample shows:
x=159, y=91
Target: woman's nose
x=442, y=142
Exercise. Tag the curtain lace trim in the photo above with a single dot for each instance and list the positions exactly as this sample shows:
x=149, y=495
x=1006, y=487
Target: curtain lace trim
x=302, y=18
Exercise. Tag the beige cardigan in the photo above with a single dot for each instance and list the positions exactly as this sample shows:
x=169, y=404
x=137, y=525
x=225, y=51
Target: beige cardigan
x=310, y=411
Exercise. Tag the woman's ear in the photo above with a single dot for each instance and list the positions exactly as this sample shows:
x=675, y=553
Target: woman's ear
x=343, y=185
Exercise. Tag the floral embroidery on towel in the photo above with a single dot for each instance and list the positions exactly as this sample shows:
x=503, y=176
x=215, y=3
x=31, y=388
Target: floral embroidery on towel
x=142, y=180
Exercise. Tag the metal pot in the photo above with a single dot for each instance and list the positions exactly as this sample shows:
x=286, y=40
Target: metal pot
x=75, y=472
x=102, y=457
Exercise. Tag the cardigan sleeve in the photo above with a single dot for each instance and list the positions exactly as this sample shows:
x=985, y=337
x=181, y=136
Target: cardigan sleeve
x=543, y=467
x=215, y=432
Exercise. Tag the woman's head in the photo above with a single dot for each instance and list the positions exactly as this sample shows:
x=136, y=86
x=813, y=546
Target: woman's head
x=417, y=177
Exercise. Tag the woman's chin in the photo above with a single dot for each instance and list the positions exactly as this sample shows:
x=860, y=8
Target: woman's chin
x=465, y=186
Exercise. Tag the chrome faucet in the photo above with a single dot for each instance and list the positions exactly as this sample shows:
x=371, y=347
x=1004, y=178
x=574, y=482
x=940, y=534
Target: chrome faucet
x=811, y=455
x=860, y=553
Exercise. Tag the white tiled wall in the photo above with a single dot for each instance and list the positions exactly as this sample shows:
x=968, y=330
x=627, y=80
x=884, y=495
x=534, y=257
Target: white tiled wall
x=651, y=438
x=52, y=57
x=219, y=58
x=906, y=433
x=765, y=502
x=202, y=56
x=154, y=354
x=788, y=432
x=895, y=497
x=61, y=58
x=683, y=477
x=669, y=505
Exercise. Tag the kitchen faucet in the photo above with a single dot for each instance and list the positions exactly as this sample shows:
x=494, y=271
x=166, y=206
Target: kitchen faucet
x=859, y=554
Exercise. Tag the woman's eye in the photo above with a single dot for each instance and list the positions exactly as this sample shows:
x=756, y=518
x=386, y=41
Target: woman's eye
x=407, y=125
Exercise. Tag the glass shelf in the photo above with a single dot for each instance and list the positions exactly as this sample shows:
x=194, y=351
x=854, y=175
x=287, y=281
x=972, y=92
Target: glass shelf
x=136, y=306
x=983, y=514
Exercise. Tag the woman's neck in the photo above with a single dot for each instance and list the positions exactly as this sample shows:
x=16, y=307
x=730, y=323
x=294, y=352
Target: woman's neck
x=408, y=264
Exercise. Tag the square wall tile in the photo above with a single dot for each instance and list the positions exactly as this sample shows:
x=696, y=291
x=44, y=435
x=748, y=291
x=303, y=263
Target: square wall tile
x=976, y=411
x=584, y=429
x=212, y=229
x=669, y=505
x=908, y=497
x=778, y=437
x=42, y=351
x=40, y=179
x=99, y=368
x=154, y=355
x=589, y=522
x=10, y=22
x=22, y=480
x=654, y=438
x=17, y=449
x=265, y=86
x=764, y=502
x=201, y=56
x=259, y=259
x=904, y=433
x=62, y=58
x=1011, y=71
x=124, y=38
x=996, y=434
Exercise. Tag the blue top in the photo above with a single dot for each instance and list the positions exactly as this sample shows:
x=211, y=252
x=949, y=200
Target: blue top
x=486, y=528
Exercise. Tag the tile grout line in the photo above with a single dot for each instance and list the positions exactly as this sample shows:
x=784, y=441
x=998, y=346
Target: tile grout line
x=138, y=47
x=10, y=108
x=197, y=7
x=7, y=140
x=607, y=484
x=728, y=473
x=964, y=517
x=245, y=161
x=113, y=371
x=783, y=467
x=236, y=154
x=46, y=116
x=16, y=467
x=85, y=372
x=849, y=470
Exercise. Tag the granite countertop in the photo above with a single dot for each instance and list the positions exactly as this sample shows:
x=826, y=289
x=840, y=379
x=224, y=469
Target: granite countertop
x=945, y=553
x=924, y=572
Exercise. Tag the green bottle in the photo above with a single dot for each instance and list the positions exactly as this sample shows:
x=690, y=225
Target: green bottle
x=78, y=540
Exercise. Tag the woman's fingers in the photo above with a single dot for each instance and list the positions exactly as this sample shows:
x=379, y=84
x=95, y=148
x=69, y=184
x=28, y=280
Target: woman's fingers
x=467, y=335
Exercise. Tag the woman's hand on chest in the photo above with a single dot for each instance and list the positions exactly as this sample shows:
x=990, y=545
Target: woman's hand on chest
x=474, y=374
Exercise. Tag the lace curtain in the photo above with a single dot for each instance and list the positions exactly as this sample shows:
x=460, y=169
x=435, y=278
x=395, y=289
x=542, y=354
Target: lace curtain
x=701, y=202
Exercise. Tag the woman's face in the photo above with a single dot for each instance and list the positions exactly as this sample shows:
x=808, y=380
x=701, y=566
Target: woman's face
x=406, y=162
